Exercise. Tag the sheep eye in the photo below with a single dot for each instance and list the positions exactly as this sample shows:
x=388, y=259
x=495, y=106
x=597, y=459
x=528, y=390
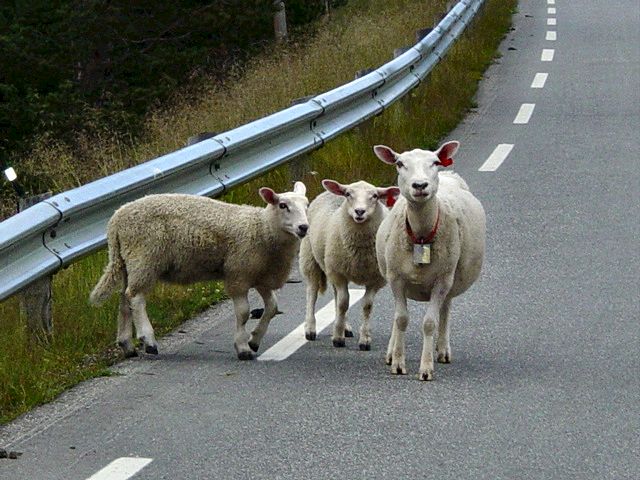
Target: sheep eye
x=283, y=205
x=399, y=164
x=375, y=196
x=347, y=194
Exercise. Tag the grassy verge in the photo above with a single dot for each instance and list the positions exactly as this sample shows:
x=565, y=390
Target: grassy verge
x=360, y=35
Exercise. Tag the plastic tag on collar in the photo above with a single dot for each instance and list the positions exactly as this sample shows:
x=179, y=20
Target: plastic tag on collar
x=421, y=253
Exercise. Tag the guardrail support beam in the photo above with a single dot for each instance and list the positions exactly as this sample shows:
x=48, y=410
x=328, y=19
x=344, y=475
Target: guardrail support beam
x=35, y=300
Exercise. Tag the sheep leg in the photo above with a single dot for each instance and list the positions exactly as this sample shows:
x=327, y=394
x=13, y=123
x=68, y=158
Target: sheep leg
x=310, y=317
x=342, y=305
x=429, y=324
x=400, y=322
x=270, y=308
x=241, y=307
x=144, y=330
x=125, y=327
x=442, y=345
x=365, y=331
x=392, y=341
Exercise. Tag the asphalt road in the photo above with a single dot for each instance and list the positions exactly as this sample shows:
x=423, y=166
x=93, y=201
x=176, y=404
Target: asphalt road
x=544, y=379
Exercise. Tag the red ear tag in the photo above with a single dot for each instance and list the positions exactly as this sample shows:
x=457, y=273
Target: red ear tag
x=445, y=163
x=391, y=200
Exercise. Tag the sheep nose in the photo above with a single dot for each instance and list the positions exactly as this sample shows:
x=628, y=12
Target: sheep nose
x=420, y=186
x=359, y=211
x=303, y=229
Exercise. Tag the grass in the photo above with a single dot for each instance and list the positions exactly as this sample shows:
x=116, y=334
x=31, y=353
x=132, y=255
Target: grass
x=360, y=35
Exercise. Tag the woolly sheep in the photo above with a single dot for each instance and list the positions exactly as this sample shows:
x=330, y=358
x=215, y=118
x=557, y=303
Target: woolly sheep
x=187, y=238
x=437, y=205
x=341, y=247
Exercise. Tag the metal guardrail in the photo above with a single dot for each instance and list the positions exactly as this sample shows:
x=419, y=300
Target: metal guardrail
x=52, y=234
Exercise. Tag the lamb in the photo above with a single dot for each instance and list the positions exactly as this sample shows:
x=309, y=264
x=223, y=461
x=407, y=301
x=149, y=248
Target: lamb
x=340, y=247
x=430, y=248
x=187, y=238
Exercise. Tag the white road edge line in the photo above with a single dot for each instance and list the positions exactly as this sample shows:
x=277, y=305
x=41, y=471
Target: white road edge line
x=295, y=339
x=551, y=11
x=547, y=54
x=539, y=80
x=500, y=153
x=524, y=114
x=551, y=36
x=551, y=21
x=121, y=468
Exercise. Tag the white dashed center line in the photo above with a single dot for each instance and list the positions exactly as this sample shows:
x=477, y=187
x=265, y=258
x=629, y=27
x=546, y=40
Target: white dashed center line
x=121, y=469
x=496, y=158
x=524, y=114
x=551, y=21
x=539, y=80
x=551, y=10
x=547, y=55
x=294, y=340
x=551, y=2
x=551, y=36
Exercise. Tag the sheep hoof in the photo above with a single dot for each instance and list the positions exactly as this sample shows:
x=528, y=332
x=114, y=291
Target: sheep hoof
x=338, y=342
x=127, y=349
x=348, y=333
x=444, y=357
x=388, y=359
x=254, y=346
x=398, y=370
x=365, y=347
x=151, y=349
x=311, y=336
x=245, y=356
x=426, y=376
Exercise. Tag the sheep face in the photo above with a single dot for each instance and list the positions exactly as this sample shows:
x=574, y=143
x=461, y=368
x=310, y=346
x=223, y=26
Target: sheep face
x=361, y=198
x=418, y=169
x=290, y=208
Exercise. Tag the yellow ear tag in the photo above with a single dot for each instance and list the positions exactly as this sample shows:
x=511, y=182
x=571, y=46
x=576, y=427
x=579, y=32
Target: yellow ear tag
x=422, y=254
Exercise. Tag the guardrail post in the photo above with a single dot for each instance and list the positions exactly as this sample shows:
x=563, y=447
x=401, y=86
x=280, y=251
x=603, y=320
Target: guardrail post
x=438, y=18
x=35, y=300
x=280, y=20
x=364, y=127
x=301, y=165
x=423, y=32
x=193, y=139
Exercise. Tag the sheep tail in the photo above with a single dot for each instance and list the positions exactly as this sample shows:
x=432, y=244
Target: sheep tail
x=310, y=268
x=114, y=273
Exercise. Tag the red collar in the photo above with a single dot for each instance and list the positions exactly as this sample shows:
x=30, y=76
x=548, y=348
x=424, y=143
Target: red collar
x=427, y=239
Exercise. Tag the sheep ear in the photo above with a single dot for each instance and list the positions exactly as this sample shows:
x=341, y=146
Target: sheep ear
x=333, y=187
x=446, y=152
x=388, y=195
x=299, y=188
x=268, y=195
x=385, y=154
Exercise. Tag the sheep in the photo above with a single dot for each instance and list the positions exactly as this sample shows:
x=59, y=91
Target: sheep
x=340, y=247
x=430, y=248
x=187, y=238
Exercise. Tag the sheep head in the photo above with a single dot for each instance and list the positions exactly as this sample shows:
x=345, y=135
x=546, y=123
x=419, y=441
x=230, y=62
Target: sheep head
x=361, y=198
x=290, y=208
x=418, y=169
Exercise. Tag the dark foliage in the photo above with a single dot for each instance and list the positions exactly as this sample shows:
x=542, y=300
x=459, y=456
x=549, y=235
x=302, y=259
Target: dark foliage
x=69, y=66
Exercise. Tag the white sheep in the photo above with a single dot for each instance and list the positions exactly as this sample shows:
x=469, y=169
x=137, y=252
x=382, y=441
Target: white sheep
x=187, y=238
x=429, y=248
x=340, y=247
